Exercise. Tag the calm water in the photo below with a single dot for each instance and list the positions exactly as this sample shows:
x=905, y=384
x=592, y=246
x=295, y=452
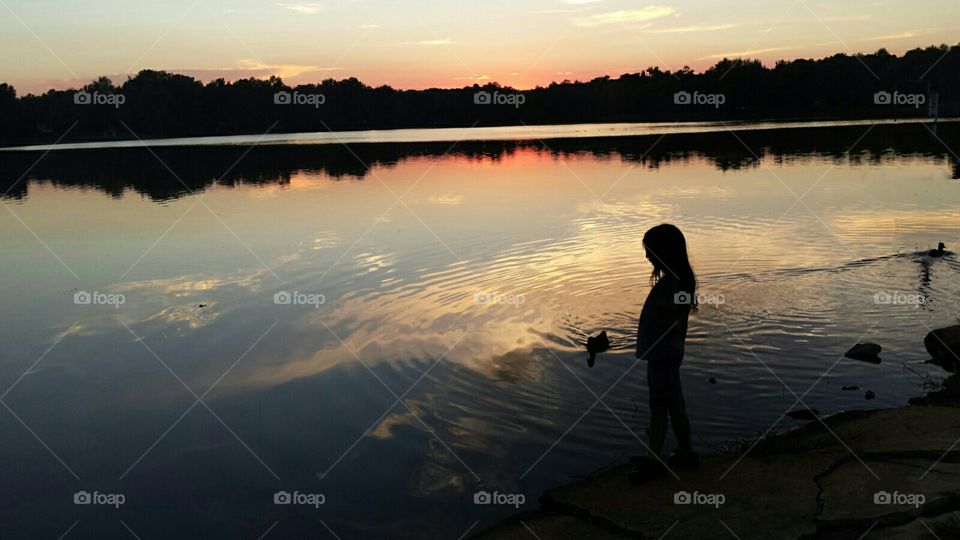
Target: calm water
x=445, y=356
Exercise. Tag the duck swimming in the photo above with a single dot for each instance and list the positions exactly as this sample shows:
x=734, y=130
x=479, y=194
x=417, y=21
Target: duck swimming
x=937, y=252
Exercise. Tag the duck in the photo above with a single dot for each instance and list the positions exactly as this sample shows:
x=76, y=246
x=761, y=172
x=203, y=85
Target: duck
x=937, y=252
x=597, y=344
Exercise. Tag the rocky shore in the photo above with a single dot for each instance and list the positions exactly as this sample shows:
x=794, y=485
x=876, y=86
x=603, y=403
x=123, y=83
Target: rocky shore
x=884, y=474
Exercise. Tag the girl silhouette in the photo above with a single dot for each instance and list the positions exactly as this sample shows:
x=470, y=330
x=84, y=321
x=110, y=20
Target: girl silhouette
x=661, y=334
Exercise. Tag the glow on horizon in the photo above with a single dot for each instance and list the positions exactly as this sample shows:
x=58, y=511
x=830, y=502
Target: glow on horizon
x=414, y=44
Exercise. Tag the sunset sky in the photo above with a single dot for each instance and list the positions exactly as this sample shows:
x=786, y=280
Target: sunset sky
x=440, y=43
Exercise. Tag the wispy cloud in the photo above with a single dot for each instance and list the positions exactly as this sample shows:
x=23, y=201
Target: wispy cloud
x=433, y=42
x=556, y=11
x=305, y=8
x=446, y=200
x=741, y=54
x=625, y=16
x=905, y=35
x=477, y=78
x=848, y=18
x=695, y=28
x=280, y=70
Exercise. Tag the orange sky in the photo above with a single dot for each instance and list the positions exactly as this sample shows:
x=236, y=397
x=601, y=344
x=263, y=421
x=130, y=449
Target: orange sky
x=439, y=43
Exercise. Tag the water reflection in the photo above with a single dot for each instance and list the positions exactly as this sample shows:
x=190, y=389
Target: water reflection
x=169, y=173
x=423, y=301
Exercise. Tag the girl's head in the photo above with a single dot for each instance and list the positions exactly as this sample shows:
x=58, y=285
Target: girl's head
x=667, y=252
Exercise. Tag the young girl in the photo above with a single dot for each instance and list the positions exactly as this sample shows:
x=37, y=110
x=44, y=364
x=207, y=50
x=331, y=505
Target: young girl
x=660, y=342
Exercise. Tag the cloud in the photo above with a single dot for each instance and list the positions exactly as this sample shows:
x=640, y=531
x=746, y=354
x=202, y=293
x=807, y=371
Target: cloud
x=741, y=54
x=625, y=16
x=249, y=67
x=848, y=18
x=280, y=70
x=685, y=29
x=304, y=8
x=905, y=35
x=369, y=26
x=473, y=78
x=578, y=2
x=433, y=42
x=446, y=200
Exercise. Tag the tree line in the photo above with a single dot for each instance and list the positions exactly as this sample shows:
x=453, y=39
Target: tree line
x=155, y=104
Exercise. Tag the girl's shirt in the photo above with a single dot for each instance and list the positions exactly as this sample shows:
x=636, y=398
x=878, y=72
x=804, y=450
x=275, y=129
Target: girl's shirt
x=662, y=330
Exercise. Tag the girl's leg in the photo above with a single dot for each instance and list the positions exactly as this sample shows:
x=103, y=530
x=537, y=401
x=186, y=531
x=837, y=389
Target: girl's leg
x=658, y=427
x=681, y=424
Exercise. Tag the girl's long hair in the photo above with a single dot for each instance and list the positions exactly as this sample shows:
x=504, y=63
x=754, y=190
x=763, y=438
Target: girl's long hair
x=668, y=253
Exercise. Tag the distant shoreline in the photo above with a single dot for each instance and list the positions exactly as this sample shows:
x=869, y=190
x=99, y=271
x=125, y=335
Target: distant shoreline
x=477, y=134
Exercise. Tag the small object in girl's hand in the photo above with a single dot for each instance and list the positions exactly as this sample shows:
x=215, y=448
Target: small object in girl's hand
x=597, y=344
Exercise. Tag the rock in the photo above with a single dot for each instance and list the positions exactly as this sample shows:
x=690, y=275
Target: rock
x=810, y=482
x=804, y=414
x=943, y=526
x=865, y=352
x=949, y=367
x=943, y=345
x=852, y=497
x=947, y=394
x=711, y=380
x=869, y=395
x=545, y=524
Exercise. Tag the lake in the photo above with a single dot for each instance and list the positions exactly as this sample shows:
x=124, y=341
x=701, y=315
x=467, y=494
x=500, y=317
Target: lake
x=390, y=327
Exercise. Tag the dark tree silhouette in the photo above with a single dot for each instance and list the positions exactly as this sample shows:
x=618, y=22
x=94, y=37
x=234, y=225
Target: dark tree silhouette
x=161, y=104
x=9, y=110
